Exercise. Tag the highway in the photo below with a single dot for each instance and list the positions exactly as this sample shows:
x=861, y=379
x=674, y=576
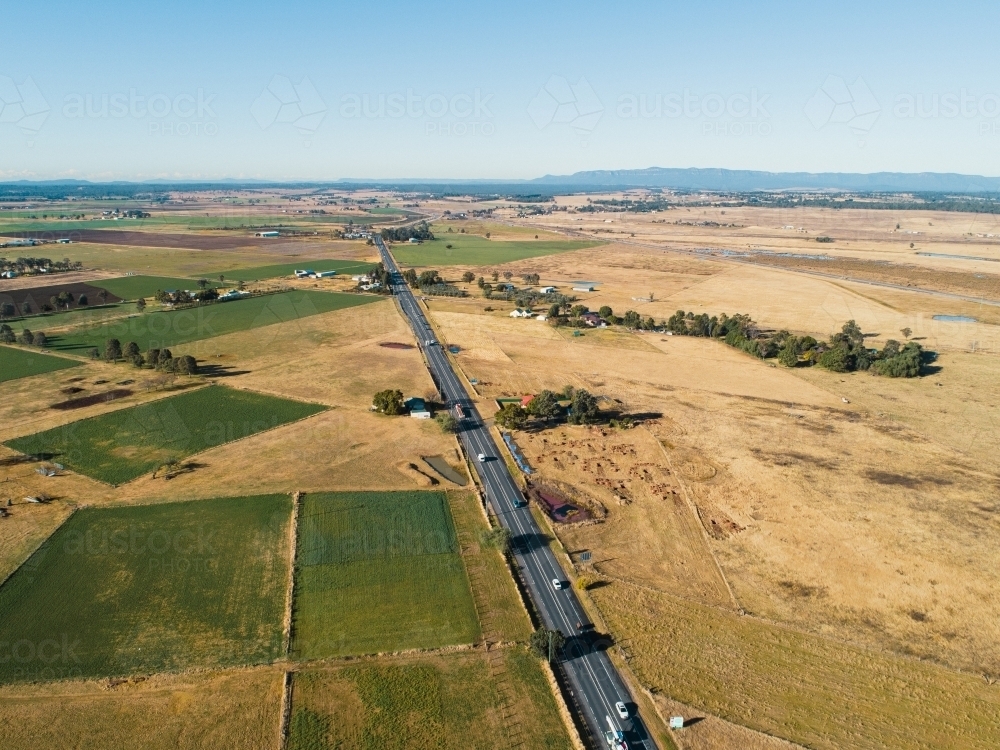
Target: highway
x=593, y=679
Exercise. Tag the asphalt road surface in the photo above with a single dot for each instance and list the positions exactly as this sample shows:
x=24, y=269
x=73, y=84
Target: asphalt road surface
x=595, y=682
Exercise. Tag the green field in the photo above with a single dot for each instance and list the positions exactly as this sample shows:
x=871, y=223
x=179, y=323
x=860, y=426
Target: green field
x=287, y=269
x=134, y=287
x=22, y=363
x=119, y=591
x=121, y=445
x=378, y=572
x=473, y=250
x=431, y=701
x=174, y=327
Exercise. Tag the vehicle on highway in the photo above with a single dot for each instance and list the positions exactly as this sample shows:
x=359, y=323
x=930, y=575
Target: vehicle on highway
x=622, y=709
x=556, y=584
x=482, y=458
x=615, y=738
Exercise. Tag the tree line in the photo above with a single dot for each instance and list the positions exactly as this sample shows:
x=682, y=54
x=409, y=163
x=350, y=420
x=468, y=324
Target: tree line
x=420, y=231
x=156, y=359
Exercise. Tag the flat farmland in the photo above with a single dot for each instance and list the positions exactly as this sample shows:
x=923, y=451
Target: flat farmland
x=167, y=587
x=233, y=709
x=121, y=445
x=174, y=327
x=808, y=689
x=22, y=363
x=472, y=250
x=134, y=287
x=426, y=701
x=378, y=572
x=287, y=269
x=35, y=297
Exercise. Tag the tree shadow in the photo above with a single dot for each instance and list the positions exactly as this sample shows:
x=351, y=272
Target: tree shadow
x=220, y=371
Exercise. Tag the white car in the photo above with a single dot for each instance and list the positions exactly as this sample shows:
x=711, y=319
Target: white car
x=482, y=458
x=622, y=709
x=556, y=584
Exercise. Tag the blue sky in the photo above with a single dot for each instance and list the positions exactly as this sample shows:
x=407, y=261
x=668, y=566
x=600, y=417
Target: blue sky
x=309, y=90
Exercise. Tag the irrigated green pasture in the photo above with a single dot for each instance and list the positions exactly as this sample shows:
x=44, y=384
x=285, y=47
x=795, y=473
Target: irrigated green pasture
x=119, y=591
x=174, y=327
x=287, y=269
x=473, y=250
x=21, y=363
x=378, y=572
x=119, y=446
x=134, y=287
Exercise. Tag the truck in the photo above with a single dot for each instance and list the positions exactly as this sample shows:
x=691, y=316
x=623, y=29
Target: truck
x=615, y=737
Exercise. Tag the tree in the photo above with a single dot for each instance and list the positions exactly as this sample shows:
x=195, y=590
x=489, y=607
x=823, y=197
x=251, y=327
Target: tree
x=410, y=277
x=6, y=334
x=186, y=365
x=468, y=277
x=507, y=275
x=905, y=364
x=632, y=319
x=93, y=353
x=835, y=359
x=544, y=406
x=906, y=332
x=103, y=294
x=554, y=311
x=39, y=339
x=202, y=283
x=577, y=310
x=583, y=409
x=511, y=417
x=131, y=350
x=447, y=422
x=487, y=235
x=112, y=350
x=545, y=643
x=26, y=337
x=82, y=301
x=389, y=402
x=222, y=279
x=7, y=310
x=498, y=538
x=481, y=282
x=153, y=357
x=495, y=275
x=787, y=356
x=140, y=304
x=428, y=278
x=25, y=308
x=606, y=312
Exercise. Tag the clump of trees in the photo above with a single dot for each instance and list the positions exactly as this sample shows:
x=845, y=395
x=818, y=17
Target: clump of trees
x=26, y=337
x=498, y=538
x=546, y=408
x=39, y=265
x=420, y=231
x=389, y=402
x=845, y=351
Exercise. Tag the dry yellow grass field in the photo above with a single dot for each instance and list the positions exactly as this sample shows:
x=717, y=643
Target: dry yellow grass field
x=232, y=709
x=868, y=526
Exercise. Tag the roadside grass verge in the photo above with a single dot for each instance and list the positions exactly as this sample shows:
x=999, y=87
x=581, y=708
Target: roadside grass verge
x=120, y=591
x=174, y=327
x=22, y=363
x=121, y=445
x=378, y=572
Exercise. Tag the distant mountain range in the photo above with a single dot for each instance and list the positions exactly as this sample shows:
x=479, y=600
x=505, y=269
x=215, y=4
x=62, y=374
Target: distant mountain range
x=742, y=180
x=735, y=180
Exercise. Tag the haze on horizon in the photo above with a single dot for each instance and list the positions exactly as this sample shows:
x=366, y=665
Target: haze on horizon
x=312, y=91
